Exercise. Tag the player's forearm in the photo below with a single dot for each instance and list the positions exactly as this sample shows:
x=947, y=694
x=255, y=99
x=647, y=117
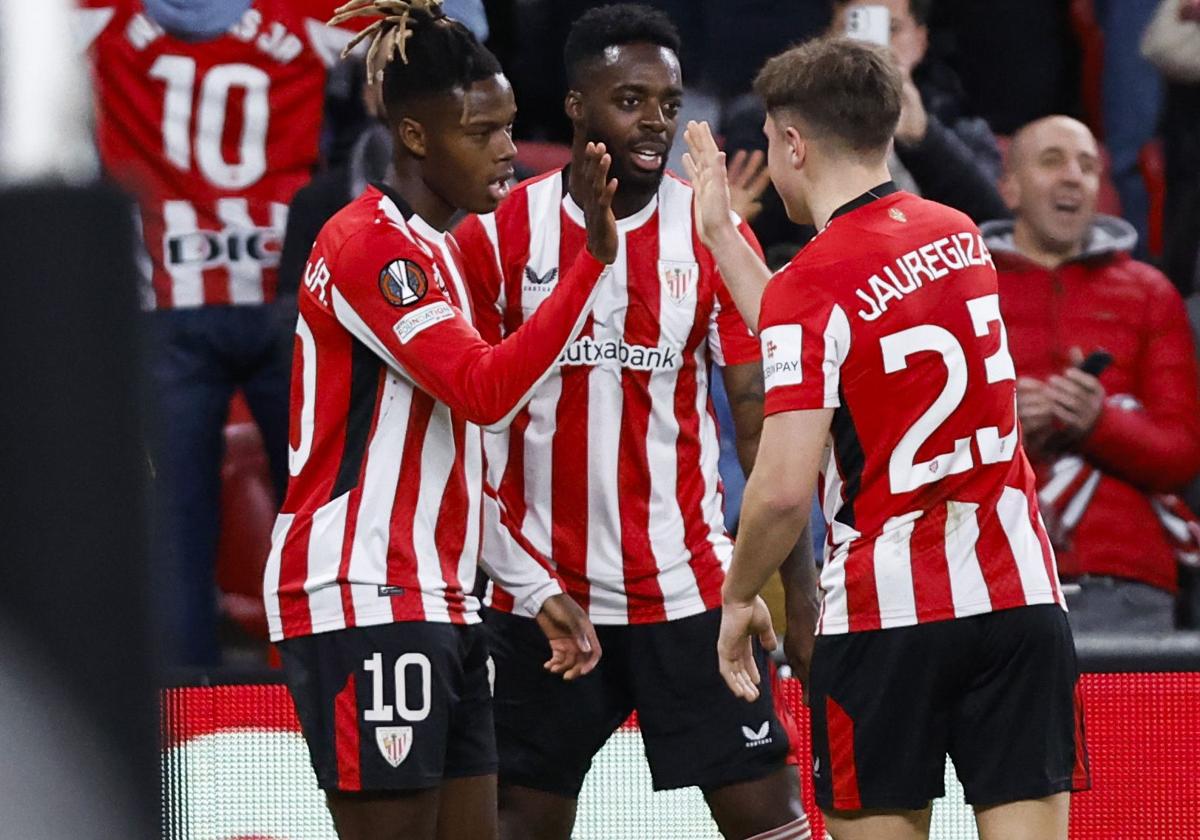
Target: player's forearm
x=744, y=389
x=771, y=524
x=800, y=581
x=504, y=377
x=744, y=272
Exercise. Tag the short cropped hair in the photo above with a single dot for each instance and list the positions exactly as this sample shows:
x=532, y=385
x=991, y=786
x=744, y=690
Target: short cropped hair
x=839, y=90
x=615, y=26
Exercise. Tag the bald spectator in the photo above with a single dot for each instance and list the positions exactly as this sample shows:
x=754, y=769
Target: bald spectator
x=1108, y=444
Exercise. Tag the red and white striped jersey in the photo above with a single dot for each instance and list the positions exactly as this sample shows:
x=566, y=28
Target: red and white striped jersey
x=611, y=470
x=213, y=138
x=891, y=317
x=390, y=385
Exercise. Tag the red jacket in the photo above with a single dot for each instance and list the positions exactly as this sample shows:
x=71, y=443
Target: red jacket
x=1105, y=299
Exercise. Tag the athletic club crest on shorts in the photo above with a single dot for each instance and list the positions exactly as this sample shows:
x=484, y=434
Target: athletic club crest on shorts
x=678, y=278
x=394, y=743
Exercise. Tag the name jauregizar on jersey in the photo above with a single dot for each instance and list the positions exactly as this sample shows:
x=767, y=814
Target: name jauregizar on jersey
x=927, y=263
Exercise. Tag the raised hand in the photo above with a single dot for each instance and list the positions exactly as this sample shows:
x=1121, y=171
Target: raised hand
x=748, y=180
x=735, y=652
x=705, y=167
x=597, y=203
x=574, y=648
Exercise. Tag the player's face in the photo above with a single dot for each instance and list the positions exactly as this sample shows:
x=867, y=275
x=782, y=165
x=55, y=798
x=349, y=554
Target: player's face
x=469, y=147
x=1054, y=183
x=630, y=103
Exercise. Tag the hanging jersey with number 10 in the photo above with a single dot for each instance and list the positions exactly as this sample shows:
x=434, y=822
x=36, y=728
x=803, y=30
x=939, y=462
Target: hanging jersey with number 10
x=213, y=137
x=891, y=317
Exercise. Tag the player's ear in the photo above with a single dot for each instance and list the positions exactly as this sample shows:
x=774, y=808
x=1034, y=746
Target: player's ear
x=797, y=147
x=573, y=106
x=411, y=135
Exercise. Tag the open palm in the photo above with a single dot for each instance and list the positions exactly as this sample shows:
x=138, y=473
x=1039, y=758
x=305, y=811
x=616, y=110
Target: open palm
x=705, y=167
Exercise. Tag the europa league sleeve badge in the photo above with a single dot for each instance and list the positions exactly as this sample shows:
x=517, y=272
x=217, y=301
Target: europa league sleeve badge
x=403, y=283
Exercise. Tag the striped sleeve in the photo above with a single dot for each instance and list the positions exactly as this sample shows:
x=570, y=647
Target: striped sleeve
x=385, y=291
x=512, y=562
x=805, y=339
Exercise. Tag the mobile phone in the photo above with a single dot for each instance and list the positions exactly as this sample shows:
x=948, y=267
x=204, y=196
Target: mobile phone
x=1096, y=363
x=869, y=24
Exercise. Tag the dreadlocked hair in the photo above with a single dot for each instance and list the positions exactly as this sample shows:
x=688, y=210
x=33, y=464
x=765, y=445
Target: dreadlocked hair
x=437, y=53
x=615, y=26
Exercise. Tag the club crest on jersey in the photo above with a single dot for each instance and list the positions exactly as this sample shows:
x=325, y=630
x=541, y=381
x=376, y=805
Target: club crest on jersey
x=678, y=278
x=395, y=743
x=403, y=283
x=897, y=214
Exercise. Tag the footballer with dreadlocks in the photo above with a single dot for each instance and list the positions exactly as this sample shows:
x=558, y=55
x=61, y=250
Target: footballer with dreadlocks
x=369, y=581
x=611, y=469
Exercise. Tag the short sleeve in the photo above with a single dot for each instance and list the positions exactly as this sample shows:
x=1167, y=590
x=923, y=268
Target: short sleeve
x=729, y=339
x=805, y=337
x=387, y=292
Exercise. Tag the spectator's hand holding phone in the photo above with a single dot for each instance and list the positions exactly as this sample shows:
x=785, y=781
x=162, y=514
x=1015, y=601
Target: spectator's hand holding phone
x=871, y=24
x=1036, y=413
x=1077, y=395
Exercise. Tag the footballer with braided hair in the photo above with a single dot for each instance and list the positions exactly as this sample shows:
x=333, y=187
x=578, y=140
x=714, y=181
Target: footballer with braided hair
x=369, y=581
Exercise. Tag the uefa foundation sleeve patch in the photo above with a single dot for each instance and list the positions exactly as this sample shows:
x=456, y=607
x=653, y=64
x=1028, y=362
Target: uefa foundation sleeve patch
x=781, y=346
x=422, y=319
x=403, y=283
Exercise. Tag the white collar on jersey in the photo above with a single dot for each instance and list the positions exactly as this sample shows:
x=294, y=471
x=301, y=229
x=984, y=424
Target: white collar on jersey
x=426, y=230
x=413, y=221
x=575, y=213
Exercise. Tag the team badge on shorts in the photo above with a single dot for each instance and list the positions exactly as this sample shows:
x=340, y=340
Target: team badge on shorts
x=395, y=743
x=678, y=278
x=403, y=283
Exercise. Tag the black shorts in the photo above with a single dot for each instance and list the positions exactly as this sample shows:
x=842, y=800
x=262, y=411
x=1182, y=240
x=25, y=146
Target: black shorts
x=695, y=731
x=997, y=692
x=393, y=706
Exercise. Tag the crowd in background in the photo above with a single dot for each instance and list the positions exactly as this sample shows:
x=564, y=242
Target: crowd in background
x=1094, y=223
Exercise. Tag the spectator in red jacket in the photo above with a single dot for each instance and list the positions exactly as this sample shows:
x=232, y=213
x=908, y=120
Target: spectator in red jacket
x=1108, y=448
